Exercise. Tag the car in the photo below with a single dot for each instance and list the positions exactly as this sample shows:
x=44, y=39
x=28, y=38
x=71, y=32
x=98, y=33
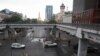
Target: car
x=49, y=44
x=17, y=46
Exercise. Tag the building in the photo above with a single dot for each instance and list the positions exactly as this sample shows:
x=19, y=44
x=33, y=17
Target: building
x=7, y=11
x=39, y=18
x=48, y=12
x=59, y=16
x=67, y=17
x=86, y=11
x=3, y=16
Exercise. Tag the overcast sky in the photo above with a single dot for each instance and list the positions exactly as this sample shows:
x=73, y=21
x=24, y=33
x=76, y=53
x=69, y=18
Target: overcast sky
x=31, y=8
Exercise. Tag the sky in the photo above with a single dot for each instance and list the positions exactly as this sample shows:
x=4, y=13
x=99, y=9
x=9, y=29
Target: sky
x=31, y=8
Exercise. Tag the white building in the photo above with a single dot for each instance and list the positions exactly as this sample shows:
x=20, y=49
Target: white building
x=59, y=16
x=67, y=18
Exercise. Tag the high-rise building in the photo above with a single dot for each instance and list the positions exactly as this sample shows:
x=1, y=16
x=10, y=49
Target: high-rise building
x=48, y=12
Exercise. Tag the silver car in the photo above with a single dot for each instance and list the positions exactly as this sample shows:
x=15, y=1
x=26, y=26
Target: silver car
x=17, y=45
x=49, y=44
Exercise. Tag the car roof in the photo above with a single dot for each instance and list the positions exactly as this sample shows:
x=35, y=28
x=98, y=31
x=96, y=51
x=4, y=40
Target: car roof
x=15, y=43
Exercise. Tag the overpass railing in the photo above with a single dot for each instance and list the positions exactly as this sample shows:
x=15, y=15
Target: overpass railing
x=87, y=26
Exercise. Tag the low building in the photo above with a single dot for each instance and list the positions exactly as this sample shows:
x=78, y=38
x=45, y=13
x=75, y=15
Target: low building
x=2, y=16
x=67, y=18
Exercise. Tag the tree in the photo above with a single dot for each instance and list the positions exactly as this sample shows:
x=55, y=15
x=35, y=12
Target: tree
x=15, y=17
x=28, y=20
x=52, y=20
x=34, y=20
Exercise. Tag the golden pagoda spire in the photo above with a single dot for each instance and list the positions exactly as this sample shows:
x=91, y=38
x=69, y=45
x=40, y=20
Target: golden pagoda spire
x=39, y=17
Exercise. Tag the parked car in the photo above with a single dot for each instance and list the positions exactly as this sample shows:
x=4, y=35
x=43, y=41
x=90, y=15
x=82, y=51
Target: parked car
x=49, y=44
x=17, y=45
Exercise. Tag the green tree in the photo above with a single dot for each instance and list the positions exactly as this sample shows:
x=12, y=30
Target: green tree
x=34, y=20
x=28, y=20
x=52, y=21
x=15, y=17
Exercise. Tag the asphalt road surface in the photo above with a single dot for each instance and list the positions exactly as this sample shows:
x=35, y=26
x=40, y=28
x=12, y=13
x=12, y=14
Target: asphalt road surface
x=34, y=47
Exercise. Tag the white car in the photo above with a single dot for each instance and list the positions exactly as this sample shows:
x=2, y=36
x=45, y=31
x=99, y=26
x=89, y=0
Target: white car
x=49, y=44
x=17, y=45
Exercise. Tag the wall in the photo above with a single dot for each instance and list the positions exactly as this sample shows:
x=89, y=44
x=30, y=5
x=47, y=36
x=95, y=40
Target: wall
x=81, y=5
x=67, y=18
x=78, y=5
x=89, y=4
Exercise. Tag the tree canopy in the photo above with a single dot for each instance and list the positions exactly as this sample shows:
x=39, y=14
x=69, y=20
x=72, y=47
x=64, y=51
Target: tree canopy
x=13, y=19
x=52, y=20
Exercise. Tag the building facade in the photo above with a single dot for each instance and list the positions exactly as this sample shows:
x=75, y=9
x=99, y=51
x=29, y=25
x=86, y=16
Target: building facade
x=3, y=16
x=67, y=17
x=86, y=11
x=59, y=16
x=48, y=12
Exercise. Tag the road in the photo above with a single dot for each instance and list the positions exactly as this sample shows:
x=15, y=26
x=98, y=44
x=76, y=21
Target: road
x=33, y=47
